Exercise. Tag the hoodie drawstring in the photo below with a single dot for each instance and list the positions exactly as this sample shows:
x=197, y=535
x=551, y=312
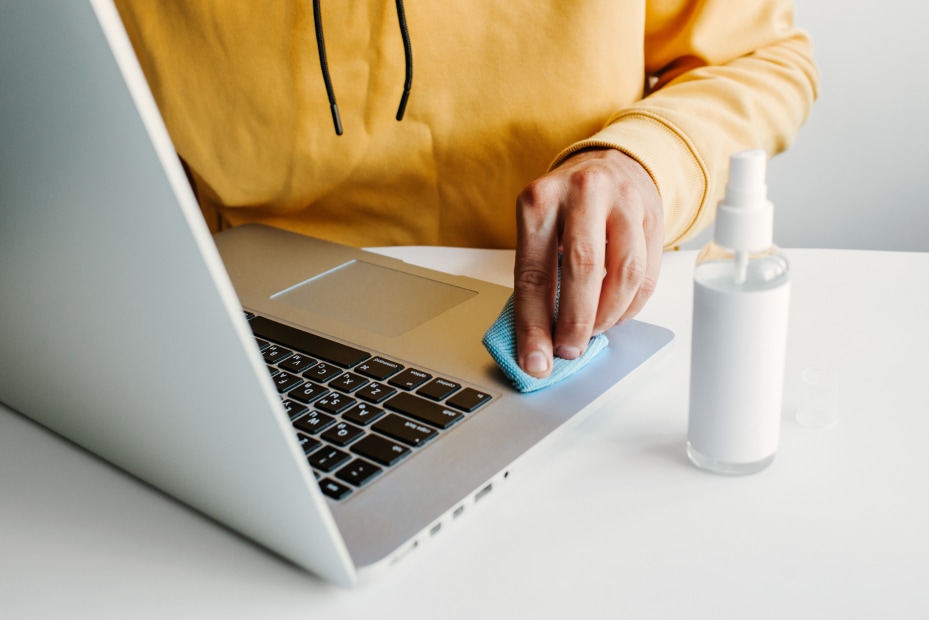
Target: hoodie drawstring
x=324, y=65
x=408, y=57
x=327, y=78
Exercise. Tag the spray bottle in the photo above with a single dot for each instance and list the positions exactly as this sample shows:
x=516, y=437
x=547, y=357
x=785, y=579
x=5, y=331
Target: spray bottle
x=741, y=302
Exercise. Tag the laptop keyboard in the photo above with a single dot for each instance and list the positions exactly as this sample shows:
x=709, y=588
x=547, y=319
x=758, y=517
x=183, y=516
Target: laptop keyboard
x=355, y=413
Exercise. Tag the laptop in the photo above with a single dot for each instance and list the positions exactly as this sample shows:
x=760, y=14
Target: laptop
x=188, y=360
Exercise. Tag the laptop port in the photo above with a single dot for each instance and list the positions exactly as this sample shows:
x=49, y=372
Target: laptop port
x=480, y=494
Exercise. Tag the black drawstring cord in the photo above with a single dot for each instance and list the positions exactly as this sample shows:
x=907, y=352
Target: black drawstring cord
x=324, y=64
x=408, y=57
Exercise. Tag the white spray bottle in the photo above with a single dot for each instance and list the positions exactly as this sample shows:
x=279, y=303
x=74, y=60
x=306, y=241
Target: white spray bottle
x=741, y=303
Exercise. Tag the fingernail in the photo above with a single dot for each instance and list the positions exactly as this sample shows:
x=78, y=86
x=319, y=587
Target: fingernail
x=536, y=362
x=567, y=353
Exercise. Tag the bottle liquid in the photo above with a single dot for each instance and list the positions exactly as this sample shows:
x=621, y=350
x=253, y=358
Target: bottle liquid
x=741, y=302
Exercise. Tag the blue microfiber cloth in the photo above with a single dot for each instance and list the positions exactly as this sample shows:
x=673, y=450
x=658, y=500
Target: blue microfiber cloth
x=500, y=341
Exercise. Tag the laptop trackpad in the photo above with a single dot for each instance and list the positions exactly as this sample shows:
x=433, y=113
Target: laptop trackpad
x=375, y=298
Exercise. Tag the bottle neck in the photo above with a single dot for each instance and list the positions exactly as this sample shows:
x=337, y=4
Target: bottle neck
x=714, y=251
x=742, y=270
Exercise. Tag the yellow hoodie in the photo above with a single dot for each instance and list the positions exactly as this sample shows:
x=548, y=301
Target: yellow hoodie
x=501, y=92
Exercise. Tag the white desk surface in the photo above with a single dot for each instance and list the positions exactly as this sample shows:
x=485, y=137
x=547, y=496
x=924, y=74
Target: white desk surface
x=613, y=522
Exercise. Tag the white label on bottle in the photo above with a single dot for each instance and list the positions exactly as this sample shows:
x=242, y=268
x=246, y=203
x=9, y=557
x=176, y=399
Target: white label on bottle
x=737, y=372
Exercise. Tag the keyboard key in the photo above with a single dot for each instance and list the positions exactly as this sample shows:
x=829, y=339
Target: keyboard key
x=275, y=353
x=410, y=379
x=439, y=389
x=423, y=410
x=333, y=489
x=375, y=392
x=407, y=431
x=327, y=459
x=334, y=403
x=359, y=472
x=308, y=392
x=322, y=372
x=348, y=382
x=468, y=399
x=380, y=450
x=308, y=444
x=316, y=346
x=298, y=362
x=284, y=381
x=262, y=344
x=362, y=414
x=293, y=408
x=342, y=434
x=314, y=422
x=379, y=368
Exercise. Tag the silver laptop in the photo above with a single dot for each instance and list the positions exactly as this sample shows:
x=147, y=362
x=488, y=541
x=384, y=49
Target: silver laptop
x=243, y=374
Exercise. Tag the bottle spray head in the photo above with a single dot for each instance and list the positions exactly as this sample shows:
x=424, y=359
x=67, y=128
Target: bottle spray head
x=745, y=218
x=746, y=186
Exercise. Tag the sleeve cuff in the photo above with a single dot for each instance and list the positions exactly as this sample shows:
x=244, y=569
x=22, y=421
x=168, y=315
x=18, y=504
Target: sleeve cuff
x=672, y=161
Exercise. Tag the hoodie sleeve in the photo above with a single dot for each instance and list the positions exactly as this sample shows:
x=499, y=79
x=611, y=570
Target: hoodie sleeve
x=722, y=76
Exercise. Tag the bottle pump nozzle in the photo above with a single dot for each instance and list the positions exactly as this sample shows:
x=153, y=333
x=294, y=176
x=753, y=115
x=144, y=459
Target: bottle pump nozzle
x=745, y=218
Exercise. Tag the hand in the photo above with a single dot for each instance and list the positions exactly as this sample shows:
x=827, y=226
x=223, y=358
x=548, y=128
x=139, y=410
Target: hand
x=600, y=209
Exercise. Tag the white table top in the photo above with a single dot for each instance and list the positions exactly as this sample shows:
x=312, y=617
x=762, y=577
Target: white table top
x=613, y=522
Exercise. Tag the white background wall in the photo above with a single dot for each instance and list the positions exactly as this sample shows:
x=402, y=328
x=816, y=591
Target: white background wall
x=857, y=175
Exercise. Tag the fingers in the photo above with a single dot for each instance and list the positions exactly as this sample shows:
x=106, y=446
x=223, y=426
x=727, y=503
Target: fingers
x=583, y=244
x=626, y=268
x=536, y=278
x=654, y=245
x=636, y=240
x=603, y=210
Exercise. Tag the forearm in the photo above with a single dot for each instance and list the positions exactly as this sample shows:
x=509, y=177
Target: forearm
x=706, y=105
